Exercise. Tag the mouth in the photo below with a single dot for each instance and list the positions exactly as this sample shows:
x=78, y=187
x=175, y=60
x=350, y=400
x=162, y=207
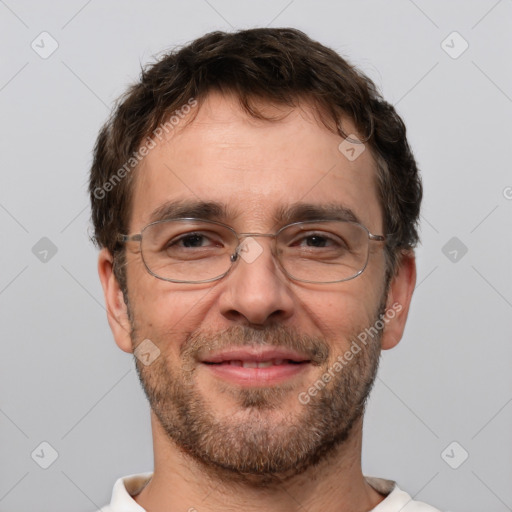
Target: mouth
x=256, y=366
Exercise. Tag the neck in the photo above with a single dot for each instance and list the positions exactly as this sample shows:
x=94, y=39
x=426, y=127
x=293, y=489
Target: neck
x=181, y=483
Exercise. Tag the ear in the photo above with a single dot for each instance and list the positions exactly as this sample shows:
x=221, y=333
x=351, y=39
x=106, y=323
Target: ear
x=117, y=311
x=399, y=297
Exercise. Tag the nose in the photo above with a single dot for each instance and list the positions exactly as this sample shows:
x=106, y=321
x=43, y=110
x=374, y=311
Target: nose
x=256, y=292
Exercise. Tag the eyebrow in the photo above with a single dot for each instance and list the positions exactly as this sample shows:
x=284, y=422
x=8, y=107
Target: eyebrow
x=207, y=210
x=220, y=212
x=298, y=212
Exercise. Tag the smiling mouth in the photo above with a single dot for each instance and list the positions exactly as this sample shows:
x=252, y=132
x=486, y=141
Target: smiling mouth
x=256, y=364
x=261, y=370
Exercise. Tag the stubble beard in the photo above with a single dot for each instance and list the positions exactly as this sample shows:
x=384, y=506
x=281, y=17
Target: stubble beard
x=248, y=446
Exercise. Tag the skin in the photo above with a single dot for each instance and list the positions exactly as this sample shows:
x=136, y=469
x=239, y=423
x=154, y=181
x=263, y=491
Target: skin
x=227, y=156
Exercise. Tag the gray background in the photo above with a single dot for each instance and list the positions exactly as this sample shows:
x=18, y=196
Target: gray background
x=62, y=378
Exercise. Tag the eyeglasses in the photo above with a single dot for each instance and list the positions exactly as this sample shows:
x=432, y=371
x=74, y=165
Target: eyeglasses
x=190, y=250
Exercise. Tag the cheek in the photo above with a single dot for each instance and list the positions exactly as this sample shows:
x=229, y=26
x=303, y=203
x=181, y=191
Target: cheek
x=341, y=314
x=166, y=313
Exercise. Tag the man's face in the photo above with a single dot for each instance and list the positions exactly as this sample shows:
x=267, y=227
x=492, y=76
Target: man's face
x=251, y=419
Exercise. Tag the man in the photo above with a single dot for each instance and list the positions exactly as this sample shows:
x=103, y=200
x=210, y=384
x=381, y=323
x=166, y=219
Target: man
x=256, y=204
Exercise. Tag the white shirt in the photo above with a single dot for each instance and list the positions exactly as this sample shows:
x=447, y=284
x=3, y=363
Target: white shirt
x=395, y=501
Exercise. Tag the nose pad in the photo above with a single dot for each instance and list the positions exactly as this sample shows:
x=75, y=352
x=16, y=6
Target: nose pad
x=249, y=249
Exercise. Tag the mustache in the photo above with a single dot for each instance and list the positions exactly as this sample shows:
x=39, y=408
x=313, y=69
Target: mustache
x=199, y=343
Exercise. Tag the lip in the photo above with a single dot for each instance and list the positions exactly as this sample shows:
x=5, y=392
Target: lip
x=291, y=364
x=256, y=354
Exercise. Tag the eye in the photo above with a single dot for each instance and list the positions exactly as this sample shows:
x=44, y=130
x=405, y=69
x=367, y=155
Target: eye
x=319, y=240
x=194, y=240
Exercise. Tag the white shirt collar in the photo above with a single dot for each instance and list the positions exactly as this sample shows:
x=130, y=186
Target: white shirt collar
x=396, y=500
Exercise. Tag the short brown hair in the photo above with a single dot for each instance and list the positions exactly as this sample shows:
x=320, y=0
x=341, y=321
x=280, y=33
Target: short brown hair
x=276, y=65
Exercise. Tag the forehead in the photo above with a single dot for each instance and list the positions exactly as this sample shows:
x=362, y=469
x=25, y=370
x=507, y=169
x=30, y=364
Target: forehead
x=257, y=171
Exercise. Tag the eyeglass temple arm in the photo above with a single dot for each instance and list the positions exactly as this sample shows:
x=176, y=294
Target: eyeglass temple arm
x=129, y=238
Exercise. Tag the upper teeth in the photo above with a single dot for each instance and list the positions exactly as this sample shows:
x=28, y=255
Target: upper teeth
x=256, y=364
